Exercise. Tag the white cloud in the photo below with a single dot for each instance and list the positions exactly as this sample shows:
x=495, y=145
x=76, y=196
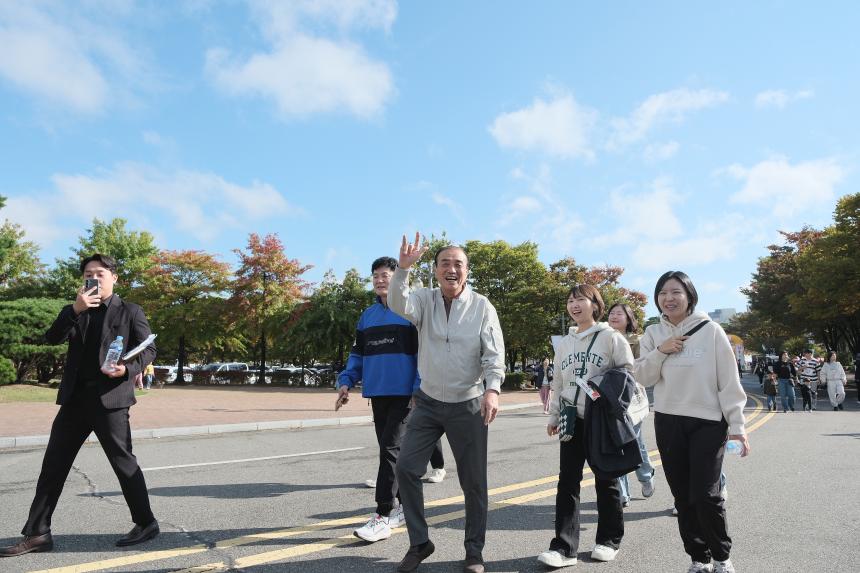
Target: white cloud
x=455, y=208
x=543, y=210
x=660, y=151
x=641, y=217
x=711, y=241
x=559, y=127
x=69, y=56
x=659, y=109
x=306, y=74
x=779, y=99
x=195, y=203
x=784, y=188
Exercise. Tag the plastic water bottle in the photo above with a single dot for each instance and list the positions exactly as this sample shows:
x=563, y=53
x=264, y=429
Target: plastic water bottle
x=113, y=354
x=734, y=447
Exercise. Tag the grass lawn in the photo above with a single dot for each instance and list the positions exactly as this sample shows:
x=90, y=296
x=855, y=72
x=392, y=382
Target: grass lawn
x=28, y=393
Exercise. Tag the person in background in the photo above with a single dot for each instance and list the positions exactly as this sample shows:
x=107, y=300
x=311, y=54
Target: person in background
x=833, y=376
x=148, y=375
x=698, y=404
x=808, y=368
x=761, y=370
x=770, y=386
x=384, y=359
x=622, y=319
x=544, y=381
x=786, y=376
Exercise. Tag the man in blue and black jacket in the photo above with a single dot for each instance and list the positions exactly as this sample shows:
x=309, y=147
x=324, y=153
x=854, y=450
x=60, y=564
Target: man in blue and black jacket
x=384, y=359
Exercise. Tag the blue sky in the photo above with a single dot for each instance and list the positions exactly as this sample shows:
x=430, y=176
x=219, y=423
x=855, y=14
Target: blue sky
x=648, y=135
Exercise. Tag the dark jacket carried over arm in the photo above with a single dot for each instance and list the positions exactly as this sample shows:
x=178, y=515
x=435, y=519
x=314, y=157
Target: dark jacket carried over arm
x=610, y=438
x=122, y=318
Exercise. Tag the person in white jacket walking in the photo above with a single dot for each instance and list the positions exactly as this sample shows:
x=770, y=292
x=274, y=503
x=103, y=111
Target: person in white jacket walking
x=833, y=375
x=698, y=404
x=590, y=349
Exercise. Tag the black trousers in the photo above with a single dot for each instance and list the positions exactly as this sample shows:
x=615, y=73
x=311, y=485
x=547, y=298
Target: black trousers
x=389, y=419
x=807, y=397
x=692, y=453
x=610, y=515
x=74, y=422
x=467, y=435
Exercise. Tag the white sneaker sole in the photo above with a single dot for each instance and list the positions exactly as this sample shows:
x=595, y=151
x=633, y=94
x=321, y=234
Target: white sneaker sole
x=556, y=563
x=372, y=538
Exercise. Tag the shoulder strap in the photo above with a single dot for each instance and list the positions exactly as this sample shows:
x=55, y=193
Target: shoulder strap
x=696, y=328
x=590, y=344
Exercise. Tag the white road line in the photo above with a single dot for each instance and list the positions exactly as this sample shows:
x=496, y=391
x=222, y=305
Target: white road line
x=251, y=459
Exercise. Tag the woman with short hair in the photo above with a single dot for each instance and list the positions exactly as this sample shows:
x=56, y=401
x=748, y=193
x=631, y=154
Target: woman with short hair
x=833, y=375
x=698, y=405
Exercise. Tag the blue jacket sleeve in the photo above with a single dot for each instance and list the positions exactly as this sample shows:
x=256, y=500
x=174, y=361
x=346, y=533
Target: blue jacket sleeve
x=353, y=372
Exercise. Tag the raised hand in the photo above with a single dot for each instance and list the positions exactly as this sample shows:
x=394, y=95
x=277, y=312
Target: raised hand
x=410, y=253
x=86, y=300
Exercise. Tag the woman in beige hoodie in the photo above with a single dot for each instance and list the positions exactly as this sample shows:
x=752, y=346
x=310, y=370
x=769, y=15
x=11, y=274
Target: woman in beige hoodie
x=698, y=405
x=833, y=375
x=590, y=349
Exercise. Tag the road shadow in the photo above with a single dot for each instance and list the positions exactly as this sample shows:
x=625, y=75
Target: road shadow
x=235, y=490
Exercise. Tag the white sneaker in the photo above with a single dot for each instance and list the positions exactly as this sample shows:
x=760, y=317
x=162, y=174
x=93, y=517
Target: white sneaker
x=370, y=483
x=375, y=529
x=724, y=566
x=553, y=558
x=603, y=553
x=648, y=488
x=435, y=475
x=396, y=517
x=697, y=567
x=724, y=493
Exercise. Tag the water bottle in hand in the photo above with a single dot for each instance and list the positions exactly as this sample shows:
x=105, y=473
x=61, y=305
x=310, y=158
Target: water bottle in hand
x=113, y=354
x=734, y=447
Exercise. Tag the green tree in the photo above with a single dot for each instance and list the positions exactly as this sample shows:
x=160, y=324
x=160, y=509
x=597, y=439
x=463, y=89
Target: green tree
x=23, y=324
x=177, y=292
x=19, y=259
x=7, y=371
x=132, y=250
x=267, y=286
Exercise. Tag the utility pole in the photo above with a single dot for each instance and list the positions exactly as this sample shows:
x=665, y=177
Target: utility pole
x=261, y=376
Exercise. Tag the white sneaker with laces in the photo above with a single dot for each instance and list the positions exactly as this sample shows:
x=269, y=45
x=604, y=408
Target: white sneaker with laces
x=436, y=475
x=375, y=529
x=724, y=566
x=553, y=558
x=370, y=483
x=648, y=488
x=396, y=517
x=603, y=553
x=697, y=567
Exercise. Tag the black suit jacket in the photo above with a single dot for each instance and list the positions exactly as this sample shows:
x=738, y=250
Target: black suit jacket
x=122, y=318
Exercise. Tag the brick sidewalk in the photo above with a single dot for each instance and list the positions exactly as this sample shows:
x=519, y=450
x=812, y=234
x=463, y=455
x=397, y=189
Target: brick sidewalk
x=174, y=406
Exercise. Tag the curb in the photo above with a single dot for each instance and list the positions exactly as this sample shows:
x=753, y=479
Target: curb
x=22, y=442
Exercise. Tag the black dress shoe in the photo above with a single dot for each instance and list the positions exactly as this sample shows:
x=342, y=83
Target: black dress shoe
x=139, y=534
x=474, y=564
x=30, y=544
x=414, y=557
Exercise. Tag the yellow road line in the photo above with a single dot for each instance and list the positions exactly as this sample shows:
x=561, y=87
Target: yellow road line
x=297, y=551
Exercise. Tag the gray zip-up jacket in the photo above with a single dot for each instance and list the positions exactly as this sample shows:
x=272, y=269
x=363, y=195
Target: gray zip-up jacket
x=456, y=353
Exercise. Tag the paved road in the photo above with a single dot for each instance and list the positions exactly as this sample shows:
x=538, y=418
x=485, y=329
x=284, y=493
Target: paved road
x=792, y=504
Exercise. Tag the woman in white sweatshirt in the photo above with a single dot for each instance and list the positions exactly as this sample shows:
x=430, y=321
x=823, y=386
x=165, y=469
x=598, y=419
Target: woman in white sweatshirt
x=834, y=376
x=590, y=349
x=698, y=405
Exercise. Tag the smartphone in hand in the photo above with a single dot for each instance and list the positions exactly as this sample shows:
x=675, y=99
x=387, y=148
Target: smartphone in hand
x=92, y=283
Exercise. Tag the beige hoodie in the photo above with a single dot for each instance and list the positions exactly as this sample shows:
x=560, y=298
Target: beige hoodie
x=701, y=381
x=610, y=350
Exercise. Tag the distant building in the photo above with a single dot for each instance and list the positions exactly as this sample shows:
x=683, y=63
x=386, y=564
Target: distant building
x=722, y=315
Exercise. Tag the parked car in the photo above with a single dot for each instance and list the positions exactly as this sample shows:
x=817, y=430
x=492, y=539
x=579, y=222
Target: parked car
x=169, y=373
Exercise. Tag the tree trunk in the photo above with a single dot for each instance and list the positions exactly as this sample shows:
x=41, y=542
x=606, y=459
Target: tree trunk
x=180, y=369
x=261, y=378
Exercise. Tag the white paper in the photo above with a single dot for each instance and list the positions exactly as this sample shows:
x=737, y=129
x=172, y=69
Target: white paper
x=139, y=348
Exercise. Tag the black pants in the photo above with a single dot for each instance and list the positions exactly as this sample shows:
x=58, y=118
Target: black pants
x=467, y=435
x=807, y=397
x=437, y=460
x=74, y=422
x=610, y=515
x=389, y=419
x=692, y=453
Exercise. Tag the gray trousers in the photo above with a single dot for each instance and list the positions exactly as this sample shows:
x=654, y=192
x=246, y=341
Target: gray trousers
x=467, y=436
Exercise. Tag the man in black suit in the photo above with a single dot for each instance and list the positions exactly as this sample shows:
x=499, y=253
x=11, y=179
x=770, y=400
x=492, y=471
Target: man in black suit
x=93, y=398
